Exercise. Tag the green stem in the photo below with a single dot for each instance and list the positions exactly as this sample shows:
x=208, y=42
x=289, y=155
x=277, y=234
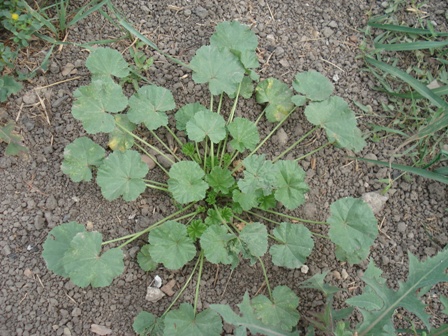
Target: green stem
x=144, y=142
x=259, y=117
x=266, y=279
x=236, y=153
x=152, y=158
x=198, y=282
x=212, y=155
x=235, y=103
x=211, y=102
x=156, y=187
x=184, y=287
x=272, y=132
x=220, y=103
x=294, y=218
x=151, y=227
x=295, y=144
x=174, y=136
x=312, y=152
x=205, y=153
x=166, y=147
x=319, y=235
x=198, y=152
x=155, y=182
x=262, y=217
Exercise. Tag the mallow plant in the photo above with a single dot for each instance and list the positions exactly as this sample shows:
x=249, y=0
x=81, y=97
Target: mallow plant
x=217, y=177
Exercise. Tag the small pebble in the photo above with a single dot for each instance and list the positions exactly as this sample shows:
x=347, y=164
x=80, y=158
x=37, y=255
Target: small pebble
x=344, y=274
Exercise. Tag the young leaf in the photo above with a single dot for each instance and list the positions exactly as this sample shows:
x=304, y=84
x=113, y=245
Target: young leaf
x=244, y=133
x=186, y=113
x=121, y=174
x=196, y=229
x=220, y=179
x=317, y=282
x=79, y=156
x=94, y=101
x=107, y=62
x=248, y=320
x=377, y=317
x=219, y=68
x=338, y=120
x=255, y=238
x=259, y=173
x=353, y=228
x=206, y=124
x=246, y=201
x=148, y=106
x=57, y=243
x=8, y=86
x=214, y=241
x=234, y=36
x=313, y=85
x=278, y=96
x=85, y=266
x=295, y=245
x=291, y=186
x=146, y=324
x=13, y=140
x=144, y=259
x=239, y=39
x=170, y=245
x=186, y=182
x=184, y=321
x=267, y=202
x=119, y=139
x=247, y=86
x=281, y=312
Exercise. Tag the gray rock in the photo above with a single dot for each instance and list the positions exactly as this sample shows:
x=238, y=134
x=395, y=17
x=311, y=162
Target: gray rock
x=282, y=136
x=333, y=24
x=375, y=200
x=30, y=98
x=201, y=12
x=51, y=203
x=76, y=312
x=165, y=160
x=39, y=222
x=401, y=227
x=327, y=32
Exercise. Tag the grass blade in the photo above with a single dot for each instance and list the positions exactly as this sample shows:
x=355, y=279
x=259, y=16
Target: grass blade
x=418, y=171
x=440, y=91
x=412, y=45
x=414, y=83
x=406, y=30
x=81, y=14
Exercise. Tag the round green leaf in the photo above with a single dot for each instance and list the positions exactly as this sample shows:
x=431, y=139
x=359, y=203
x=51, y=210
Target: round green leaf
x=235, y=36
x=144, y=323
x=148, y=106
x=206, y=124
x=219, y=68
x=185, y=321
x=244, y=133
x=85, y=266
x=57, y=243
x=291, y=186
x=93, y=102
x=119, y=139
x=215, y=244
x=186, y=113
x=170, y=245
x=79, y=156
x=313, y=85
x=281, y=312
x=186, y=182
x=295, y=245
x=239, y=39
x=107, y=61
x=278, y=96
x=121, y=174
x=259, y=173
x=338, y=120
x=144, y=259
x=220, y=179
x=246, y=201
x=255, y=238
x=353, y=228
